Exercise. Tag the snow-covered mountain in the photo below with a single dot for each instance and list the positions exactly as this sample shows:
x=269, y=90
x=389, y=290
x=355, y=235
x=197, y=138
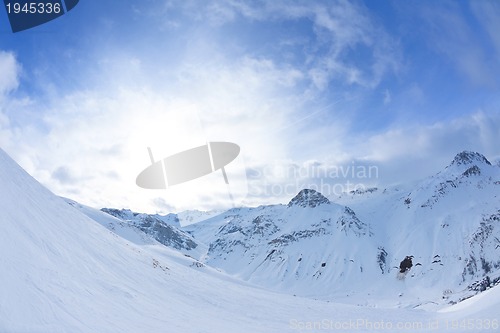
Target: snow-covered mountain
x=66, y=271
x=447, y=223
x=308, y=245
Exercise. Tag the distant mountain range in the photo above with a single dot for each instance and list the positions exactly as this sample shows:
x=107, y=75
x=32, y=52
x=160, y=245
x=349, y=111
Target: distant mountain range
x=315, y=246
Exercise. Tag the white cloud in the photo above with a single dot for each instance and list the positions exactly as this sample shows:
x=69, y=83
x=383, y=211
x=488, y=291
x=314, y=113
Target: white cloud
x=92, y=143
x=488, y=13
x=431, y=147
x=387, y=97
x=9, y=69
x=452, y=35
x=341, y=28
x=345, y=28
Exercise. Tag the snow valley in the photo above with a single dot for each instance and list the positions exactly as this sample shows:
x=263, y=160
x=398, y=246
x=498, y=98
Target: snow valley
x=313, y=264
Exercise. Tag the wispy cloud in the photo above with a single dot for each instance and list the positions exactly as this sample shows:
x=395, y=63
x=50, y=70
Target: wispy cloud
x=488, y=13
x=10, y=69
x=342, y=31
x=387, y=97
x=452, y=35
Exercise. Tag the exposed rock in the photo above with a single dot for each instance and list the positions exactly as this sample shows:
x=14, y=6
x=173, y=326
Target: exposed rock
x=406, y=264
x=308, y=198
x=469, y=157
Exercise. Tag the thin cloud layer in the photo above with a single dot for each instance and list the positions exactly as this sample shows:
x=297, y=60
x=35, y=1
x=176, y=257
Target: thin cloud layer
x=309, y=90
x=9, y=80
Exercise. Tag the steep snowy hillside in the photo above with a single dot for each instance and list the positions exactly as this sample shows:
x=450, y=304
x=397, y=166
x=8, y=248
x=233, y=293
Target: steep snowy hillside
x=448, y=223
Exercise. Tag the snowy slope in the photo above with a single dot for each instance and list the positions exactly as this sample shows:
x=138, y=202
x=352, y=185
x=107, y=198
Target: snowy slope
x=60, y=268
x=116, y=225
x=448, y=223
x=64, y=272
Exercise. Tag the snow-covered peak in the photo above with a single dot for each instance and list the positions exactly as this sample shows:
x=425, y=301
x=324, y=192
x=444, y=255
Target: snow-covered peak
x=468, y=164
x=308, y=198
x=469, y=158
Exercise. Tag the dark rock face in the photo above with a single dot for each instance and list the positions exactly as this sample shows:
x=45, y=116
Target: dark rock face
x=349, y=222
x=308, y=198
x=118, y=213
x=155, y=227
x=469, y=157
x=405, y=265
x=166, y=234
x=381, y=259
x=484, y=284
x=363, y=191
x=484, y=245
x=472, y=171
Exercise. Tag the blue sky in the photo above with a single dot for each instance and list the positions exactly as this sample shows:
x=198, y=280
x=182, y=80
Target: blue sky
x=401, y=86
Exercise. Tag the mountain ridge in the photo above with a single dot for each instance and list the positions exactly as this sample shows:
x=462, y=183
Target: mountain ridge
x=274, y=241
